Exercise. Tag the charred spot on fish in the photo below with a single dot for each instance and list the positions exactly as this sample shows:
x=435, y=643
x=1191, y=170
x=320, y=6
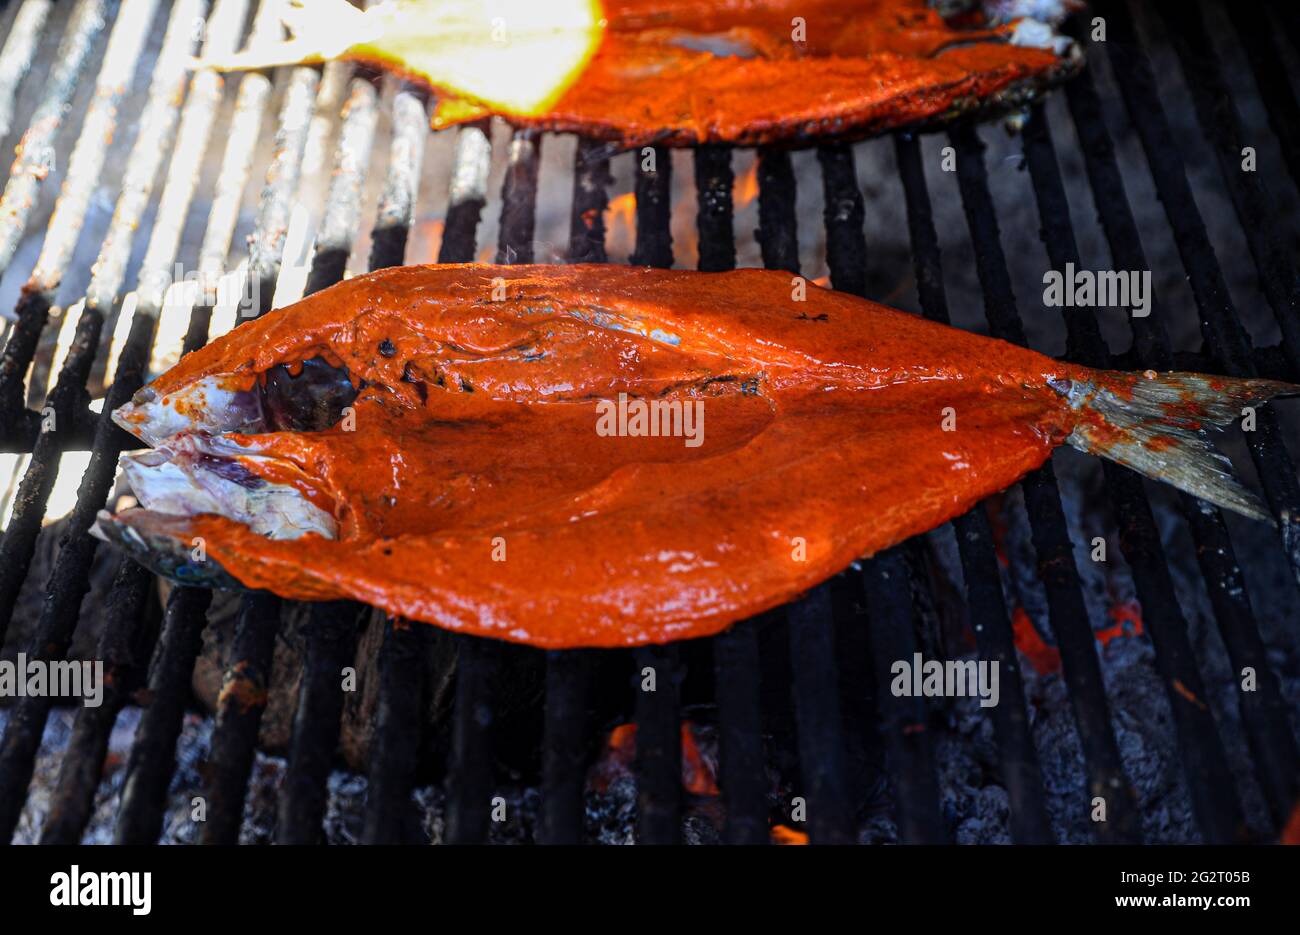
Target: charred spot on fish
x=412, y=375
x=465, y=385
x=311, y=401
x=387, y=348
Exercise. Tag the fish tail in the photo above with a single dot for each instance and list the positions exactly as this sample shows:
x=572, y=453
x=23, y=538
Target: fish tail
x=1156, y=425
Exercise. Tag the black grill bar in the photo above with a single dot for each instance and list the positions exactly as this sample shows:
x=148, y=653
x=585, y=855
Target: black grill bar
x=317, y=720
x=1264, y=712
x=153, y=754
x=654, y=187
x=390, y=815
x=885, y=577
x=984, y=598
x=469, y=780
x=736, y=662
x=713, y=219
x=844, y=214
x=819, y=721
x=331, y=639
x=812, y=635
x=125, y=647
x=1250, y=20
x=1225, y=337
x=240, y=705
x=1217, y=115
x=658, y=746
x=1209, y=780
x=1066, y=609
x=903, y=725
x=778, y=237
x=402, y=183
x=591, y=181
x=519, y=198
x=741, y=769
x=390, y=810
x=564, y=745
x=468, y=195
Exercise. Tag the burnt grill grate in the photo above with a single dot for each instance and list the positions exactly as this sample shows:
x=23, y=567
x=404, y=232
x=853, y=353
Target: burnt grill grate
x=827, y=635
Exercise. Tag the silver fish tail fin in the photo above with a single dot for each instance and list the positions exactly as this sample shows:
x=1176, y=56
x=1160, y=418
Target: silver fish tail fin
x=1156, y=425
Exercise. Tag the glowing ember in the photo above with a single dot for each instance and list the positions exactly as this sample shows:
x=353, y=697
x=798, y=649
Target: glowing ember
x=1127, y=621
x=1042, y=655
x=698, y=771
x=784, y=835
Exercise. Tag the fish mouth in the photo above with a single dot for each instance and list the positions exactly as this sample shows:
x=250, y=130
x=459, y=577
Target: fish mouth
x=204, y=459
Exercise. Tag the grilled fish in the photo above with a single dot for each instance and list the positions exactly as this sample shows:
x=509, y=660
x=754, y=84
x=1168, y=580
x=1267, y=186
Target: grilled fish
x=607, y=456
x=683, y=72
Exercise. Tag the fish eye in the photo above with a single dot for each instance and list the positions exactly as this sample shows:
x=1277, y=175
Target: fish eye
x=310, y=401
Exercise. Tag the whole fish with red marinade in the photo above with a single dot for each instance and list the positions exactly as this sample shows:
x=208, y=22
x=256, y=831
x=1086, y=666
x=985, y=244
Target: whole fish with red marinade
x=469, y=445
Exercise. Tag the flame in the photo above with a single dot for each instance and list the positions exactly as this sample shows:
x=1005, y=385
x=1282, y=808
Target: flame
x=698, y=772
x=785, y=835
x=746, y=188
x=620, y=224
x=514, y=57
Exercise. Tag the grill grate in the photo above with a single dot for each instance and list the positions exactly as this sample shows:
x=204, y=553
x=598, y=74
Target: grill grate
x=841, y=636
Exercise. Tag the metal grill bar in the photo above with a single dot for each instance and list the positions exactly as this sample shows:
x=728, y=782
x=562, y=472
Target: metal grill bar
x=1225, y=337
x=125, y=647
x=736, y=660
x=1209, y=780
x=1264, y=712
x=654, y=188
x=812, y=645
x=1066, y=609
x=564, y=747
x=469, y=780
x=1251, y=23
x=35, y=158
x=240, y=706
x=713, y=219
x=405, y=157
x=153, y=754
x=390, y=816
x=519, y=198
x=1218, y=118
x=658, y=746
x=330, y=635
x=984, y=599
x=390, y=811
x=778, y=237
x=591, y=181
x=17, y=53
x=885, y=577
x=469, y=179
